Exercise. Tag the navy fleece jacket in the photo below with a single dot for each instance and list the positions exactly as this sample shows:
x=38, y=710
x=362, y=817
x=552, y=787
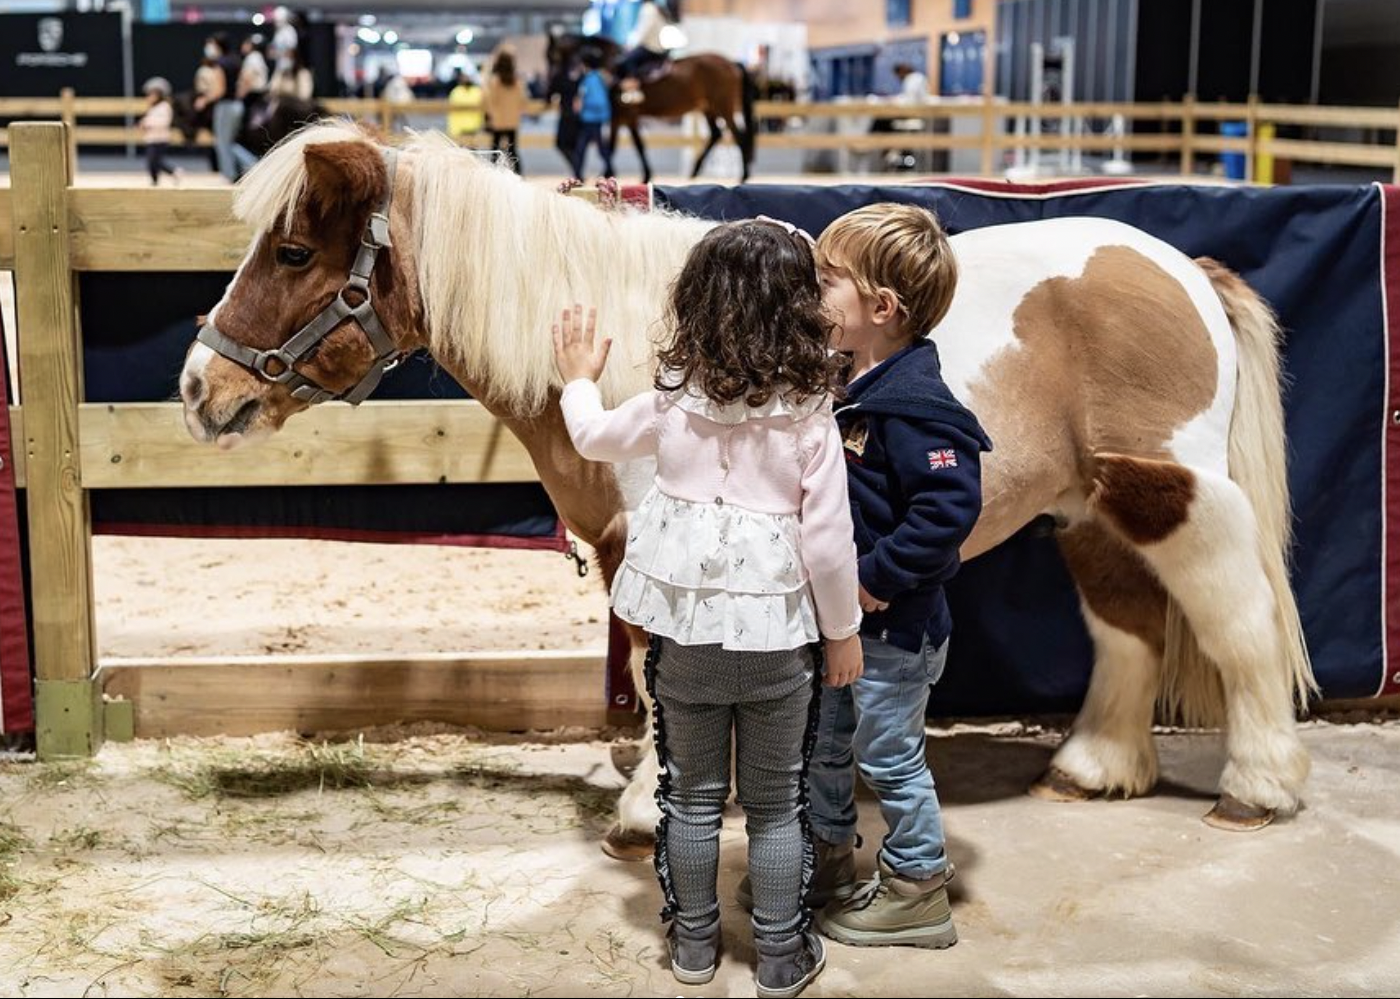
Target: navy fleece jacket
x=913, y=463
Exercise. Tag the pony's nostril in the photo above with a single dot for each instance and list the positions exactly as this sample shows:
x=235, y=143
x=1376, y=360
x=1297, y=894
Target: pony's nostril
x=194, y=388
x=240, y=420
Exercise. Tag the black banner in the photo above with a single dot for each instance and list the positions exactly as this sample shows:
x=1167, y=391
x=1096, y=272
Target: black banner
x=40, y=54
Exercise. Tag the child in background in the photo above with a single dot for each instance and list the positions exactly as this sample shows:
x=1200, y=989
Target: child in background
x=155, y=129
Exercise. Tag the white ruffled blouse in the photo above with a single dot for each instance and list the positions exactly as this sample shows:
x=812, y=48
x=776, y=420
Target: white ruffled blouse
x=745, y=539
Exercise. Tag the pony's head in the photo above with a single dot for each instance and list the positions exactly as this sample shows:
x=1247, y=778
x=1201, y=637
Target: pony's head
x=326, y=298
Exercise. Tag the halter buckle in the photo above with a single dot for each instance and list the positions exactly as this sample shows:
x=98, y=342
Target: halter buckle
x=282, y=357
x=376, y=231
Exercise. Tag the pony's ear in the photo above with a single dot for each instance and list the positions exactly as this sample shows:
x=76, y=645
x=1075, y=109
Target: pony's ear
x=344, y=175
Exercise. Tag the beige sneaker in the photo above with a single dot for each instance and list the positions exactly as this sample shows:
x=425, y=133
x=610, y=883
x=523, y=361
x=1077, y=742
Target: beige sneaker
x=889, y=911
x=834, y=880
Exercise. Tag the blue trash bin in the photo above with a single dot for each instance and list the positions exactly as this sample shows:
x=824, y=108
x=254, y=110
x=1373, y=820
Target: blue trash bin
x=1233, y=162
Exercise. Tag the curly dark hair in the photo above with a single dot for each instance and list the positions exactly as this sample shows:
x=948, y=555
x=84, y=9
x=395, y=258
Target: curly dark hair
x=746, y=320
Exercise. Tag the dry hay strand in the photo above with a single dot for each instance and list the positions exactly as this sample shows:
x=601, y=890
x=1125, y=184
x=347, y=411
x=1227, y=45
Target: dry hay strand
x=309, y=766
x=61, y=775
x=13, y=843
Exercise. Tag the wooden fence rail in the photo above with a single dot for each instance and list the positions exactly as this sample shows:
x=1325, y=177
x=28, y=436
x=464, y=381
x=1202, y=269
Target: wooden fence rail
x=1361, y=147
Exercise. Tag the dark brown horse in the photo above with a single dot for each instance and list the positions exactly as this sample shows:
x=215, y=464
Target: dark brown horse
x=718, y=88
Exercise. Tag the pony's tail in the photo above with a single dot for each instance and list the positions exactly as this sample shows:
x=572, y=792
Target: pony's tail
x=1258, y=465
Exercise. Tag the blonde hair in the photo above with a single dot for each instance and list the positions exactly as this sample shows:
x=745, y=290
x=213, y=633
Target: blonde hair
x=899, y=247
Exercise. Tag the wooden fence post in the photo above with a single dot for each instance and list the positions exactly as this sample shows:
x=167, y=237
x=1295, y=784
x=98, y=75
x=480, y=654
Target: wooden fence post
x=68, y=701
x=1251, y=129
x=1188, y=135
x=989, y=127
x=68, y=114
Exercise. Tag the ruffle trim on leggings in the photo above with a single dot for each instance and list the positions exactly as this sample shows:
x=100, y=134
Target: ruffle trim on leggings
x=804, y=801
x=663, y=783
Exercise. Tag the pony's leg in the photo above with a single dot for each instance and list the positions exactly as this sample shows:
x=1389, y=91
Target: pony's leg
x=1198, y=532
x=634, y=129
x=1110, y=749
x=745, y=138
x=634, y=835
x=714, y=141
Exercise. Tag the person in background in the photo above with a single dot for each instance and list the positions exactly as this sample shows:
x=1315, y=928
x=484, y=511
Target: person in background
x=253, y=74
x=228, y=109
x=295, y=80
x=504, y=104
x=913, y=85
x=647, y=48
x=286, y=42
x=466, y=119
x=561, y=92
x=594, y=106
x=155, y=129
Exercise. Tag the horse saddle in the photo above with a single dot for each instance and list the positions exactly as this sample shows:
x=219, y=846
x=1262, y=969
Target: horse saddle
x=654, y=70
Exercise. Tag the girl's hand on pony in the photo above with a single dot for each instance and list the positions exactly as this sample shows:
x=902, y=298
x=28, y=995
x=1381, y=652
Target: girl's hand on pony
x=575, y=351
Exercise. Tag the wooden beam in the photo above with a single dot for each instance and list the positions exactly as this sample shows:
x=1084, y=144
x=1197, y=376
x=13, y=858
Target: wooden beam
x=871, y=141
x=502, y=691
x=1219, y=144
x=7, y=231
x=146, y=445
x=1220, y=111
x=51, y=379
x=1330, y=117
x=1343, y=153
x=155, y=230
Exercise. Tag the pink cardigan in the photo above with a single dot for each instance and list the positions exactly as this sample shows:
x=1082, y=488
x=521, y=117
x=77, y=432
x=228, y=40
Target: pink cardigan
x=781, y=460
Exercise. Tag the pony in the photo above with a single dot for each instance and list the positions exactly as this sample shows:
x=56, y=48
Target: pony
x=716, y=87
x=1132, y=394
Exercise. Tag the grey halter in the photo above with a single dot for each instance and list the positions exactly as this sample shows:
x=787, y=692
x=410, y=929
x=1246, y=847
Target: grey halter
x=305, y=340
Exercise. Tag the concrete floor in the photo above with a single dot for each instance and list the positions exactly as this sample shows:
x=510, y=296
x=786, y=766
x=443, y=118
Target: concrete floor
x=482, y=876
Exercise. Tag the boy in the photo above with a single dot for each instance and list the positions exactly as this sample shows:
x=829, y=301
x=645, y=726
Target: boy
x=913, y=458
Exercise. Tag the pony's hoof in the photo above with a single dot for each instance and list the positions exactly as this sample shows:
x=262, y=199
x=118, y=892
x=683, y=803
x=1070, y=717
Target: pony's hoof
x=1056, y=785
x=629, y=846
x=1233, y=815
x=626, y=757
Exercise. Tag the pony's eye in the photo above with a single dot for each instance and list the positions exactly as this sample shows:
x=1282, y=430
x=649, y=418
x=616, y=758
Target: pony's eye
x=293, y=256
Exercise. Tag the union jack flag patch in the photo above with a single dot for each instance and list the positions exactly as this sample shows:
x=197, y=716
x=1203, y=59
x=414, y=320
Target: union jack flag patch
x=943, y=457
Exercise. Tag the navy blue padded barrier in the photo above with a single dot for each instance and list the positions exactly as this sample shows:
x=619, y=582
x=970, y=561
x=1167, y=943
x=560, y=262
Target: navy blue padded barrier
x=1317, y=256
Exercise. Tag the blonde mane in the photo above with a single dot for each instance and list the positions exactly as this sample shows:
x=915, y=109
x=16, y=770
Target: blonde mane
x=498, y=259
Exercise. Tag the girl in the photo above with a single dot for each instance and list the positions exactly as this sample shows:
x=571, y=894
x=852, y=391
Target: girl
x=738, y=561
x=155, y=128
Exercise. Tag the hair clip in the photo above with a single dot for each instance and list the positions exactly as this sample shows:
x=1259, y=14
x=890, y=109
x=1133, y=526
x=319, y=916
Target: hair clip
x=789, y=228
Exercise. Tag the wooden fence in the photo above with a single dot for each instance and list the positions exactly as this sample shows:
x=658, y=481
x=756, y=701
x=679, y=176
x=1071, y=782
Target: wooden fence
x=51, y=231
x=1180, y=130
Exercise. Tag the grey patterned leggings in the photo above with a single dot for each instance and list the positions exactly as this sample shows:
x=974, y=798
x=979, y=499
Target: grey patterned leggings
x=703, y=695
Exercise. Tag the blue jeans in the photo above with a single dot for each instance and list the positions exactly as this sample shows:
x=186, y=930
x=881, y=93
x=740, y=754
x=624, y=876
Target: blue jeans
x=877, y=723
x=228, y=121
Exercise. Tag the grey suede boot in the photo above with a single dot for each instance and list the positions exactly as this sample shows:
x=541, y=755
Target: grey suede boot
x=786, y=968
x=694, y=953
